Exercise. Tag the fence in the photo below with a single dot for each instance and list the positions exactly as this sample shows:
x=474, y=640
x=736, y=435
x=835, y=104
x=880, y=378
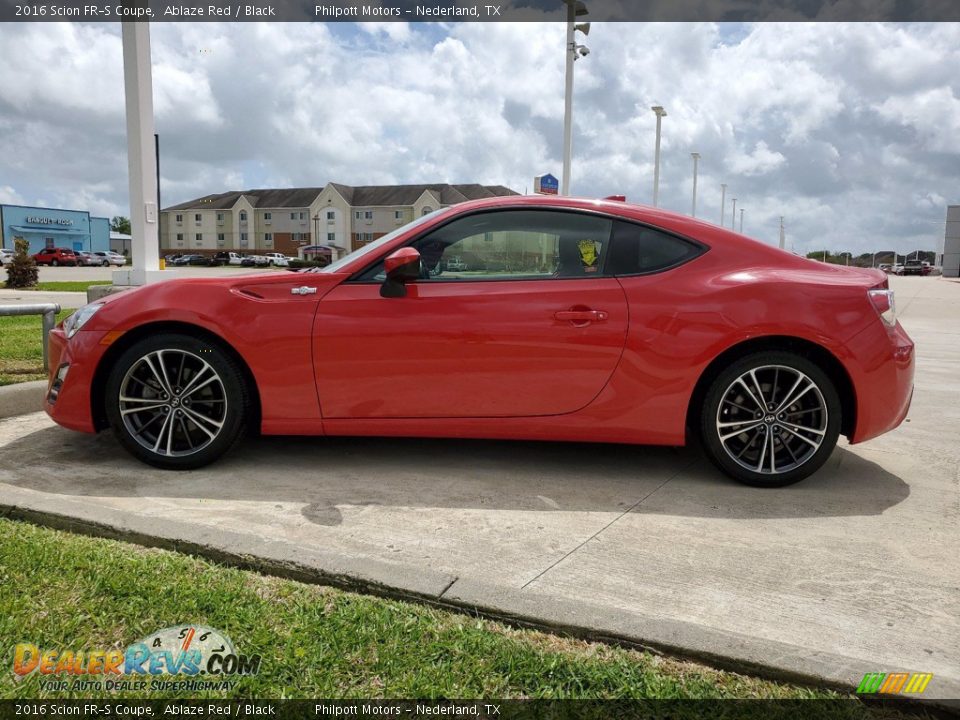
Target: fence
x=49, y=312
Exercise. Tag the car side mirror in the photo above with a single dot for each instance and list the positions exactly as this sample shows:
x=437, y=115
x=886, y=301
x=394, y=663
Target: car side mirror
x=401, y=266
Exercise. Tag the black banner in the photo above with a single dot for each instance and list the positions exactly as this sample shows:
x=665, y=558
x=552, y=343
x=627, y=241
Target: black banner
x=462, y=709
x=481, y=11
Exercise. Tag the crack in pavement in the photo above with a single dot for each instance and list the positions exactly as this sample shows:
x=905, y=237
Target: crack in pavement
x=625, y=512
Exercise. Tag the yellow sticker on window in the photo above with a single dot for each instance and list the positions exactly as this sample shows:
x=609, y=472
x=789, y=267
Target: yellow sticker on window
x=588, y=251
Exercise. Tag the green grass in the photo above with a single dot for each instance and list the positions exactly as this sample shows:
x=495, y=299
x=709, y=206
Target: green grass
x=21, y=348
x=60, y=590
x=68, y=285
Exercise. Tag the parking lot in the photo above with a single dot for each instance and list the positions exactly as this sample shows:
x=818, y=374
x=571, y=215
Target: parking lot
x=854, y=570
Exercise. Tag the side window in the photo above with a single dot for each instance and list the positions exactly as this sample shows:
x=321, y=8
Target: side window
x=512, y=245
x=636, y=250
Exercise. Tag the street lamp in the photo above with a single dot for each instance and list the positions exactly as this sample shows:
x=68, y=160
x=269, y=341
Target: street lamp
x=661, y=113
x=733, y=222
x=723, y=202
x=696, y=159
x=741, y=220
x=575, y=8
x=783, y=236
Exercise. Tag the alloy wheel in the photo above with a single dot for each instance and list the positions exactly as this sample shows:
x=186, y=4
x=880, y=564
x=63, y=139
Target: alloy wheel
x=173, y=402
x=772, y=419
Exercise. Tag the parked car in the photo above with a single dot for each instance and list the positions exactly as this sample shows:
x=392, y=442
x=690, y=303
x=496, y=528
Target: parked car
x=885, y=267
x=456, y=264
x=194, y=259
x=683, y=332
x=56, y=256
x=255, y=260
x=109, y=257
x=277, y=259
x=85, y=257
x=6, y=256
x=226, y=257
x=912, y=267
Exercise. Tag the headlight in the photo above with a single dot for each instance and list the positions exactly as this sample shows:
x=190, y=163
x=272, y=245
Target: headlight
x=79, y=318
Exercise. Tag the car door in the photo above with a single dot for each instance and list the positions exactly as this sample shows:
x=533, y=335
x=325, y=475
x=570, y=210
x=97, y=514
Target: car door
x=530, y=327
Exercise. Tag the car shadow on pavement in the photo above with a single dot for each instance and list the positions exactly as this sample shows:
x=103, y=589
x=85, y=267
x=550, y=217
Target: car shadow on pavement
x=324, y=473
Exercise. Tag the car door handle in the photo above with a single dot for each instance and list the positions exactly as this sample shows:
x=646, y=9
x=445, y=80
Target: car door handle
x=303, y=290
x=582, y=316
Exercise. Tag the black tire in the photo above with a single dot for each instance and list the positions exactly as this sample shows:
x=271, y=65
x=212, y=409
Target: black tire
x=214, y=412
x=105, y=263
x=794, y=430
x=54, y=263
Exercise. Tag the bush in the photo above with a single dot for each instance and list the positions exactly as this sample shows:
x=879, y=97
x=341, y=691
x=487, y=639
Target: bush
x=22, y=272
x=295, y=264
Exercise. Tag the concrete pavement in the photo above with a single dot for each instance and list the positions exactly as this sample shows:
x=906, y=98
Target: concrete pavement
x=851, y=571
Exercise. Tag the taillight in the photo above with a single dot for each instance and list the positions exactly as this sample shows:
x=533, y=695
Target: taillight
x=884, y=303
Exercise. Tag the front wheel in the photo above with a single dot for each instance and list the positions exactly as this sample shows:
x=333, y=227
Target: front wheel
x=54, y=263
x=770, y=419
x=177, y=402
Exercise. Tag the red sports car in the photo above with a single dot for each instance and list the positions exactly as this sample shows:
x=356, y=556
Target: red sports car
x=562, y=319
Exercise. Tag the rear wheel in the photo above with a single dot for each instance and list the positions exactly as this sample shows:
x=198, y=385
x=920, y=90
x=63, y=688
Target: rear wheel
x=770, y=419
x=177, y=402
x=54, y=263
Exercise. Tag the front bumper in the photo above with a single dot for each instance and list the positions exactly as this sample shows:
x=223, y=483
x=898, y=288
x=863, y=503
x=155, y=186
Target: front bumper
x=68, y=404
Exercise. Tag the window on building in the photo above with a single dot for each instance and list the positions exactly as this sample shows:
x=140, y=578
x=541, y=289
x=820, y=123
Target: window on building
x=427, y=210
x=303, y=216
x=357, y=215
x=331, y=237
x=398, y=214
x=198, y=237
x=220, y=218
x=179, y=218
x=221, y=240
x=368, y=215
x=197, y=217
x=243, y=216
x=179, y=237
x=243, y=239
x=268, y=237
x=293, y=216
x=331, y=215
x=268, y=216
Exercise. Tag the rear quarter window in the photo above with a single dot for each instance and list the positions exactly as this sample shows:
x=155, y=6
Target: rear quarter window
x=638, y=250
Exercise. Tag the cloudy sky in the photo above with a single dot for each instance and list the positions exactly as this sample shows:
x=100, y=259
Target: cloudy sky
x=850, y=131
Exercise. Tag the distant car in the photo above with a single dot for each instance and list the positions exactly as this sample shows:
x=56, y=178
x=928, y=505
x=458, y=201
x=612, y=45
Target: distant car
x=201, y=260
x=6, y=256
x=85, y=257
x=277, y=259
x=255, y=260
x=109, y=257
x=912, y=267
x=227, y=257
x=456, y=264
x=56, y=256
x=885, y=267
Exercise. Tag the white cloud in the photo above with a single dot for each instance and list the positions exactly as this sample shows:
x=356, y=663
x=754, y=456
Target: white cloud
x=847, y=130
x=9, y=196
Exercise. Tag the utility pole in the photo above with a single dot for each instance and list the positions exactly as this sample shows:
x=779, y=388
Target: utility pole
x=741, y=220
x=783, y=237
x=733, y=220
x=723, y=202
x=696, y=159
x=661, y=113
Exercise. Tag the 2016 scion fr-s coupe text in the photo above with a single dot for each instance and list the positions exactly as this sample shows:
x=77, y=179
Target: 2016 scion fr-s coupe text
x=523, y=318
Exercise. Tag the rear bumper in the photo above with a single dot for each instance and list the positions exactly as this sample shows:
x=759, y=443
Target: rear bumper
x=884, y=387
x=69, y=404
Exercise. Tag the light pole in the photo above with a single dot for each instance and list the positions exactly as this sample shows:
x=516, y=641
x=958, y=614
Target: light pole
x=783, y=236
x=575, y=8
x=723, y=202
x=733, y=221
x=661, y=113
x=741, y=220
x=696, y=159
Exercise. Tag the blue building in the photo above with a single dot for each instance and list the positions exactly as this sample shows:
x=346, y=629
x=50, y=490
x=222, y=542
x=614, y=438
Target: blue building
x=52, y=227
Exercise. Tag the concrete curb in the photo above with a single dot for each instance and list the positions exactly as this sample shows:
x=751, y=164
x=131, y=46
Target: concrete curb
x=22, y=398
x=724, y=650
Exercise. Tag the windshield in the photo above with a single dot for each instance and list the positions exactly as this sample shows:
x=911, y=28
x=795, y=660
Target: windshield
x=378, y=243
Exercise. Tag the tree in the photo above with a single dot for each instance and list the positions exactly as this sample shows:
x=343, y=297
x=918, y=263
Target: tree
x=22, y=271
x=120, y=224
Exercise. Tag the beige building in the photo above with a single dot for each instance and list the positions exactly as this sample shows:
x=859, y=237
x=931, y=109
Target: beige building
x=337, y=217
